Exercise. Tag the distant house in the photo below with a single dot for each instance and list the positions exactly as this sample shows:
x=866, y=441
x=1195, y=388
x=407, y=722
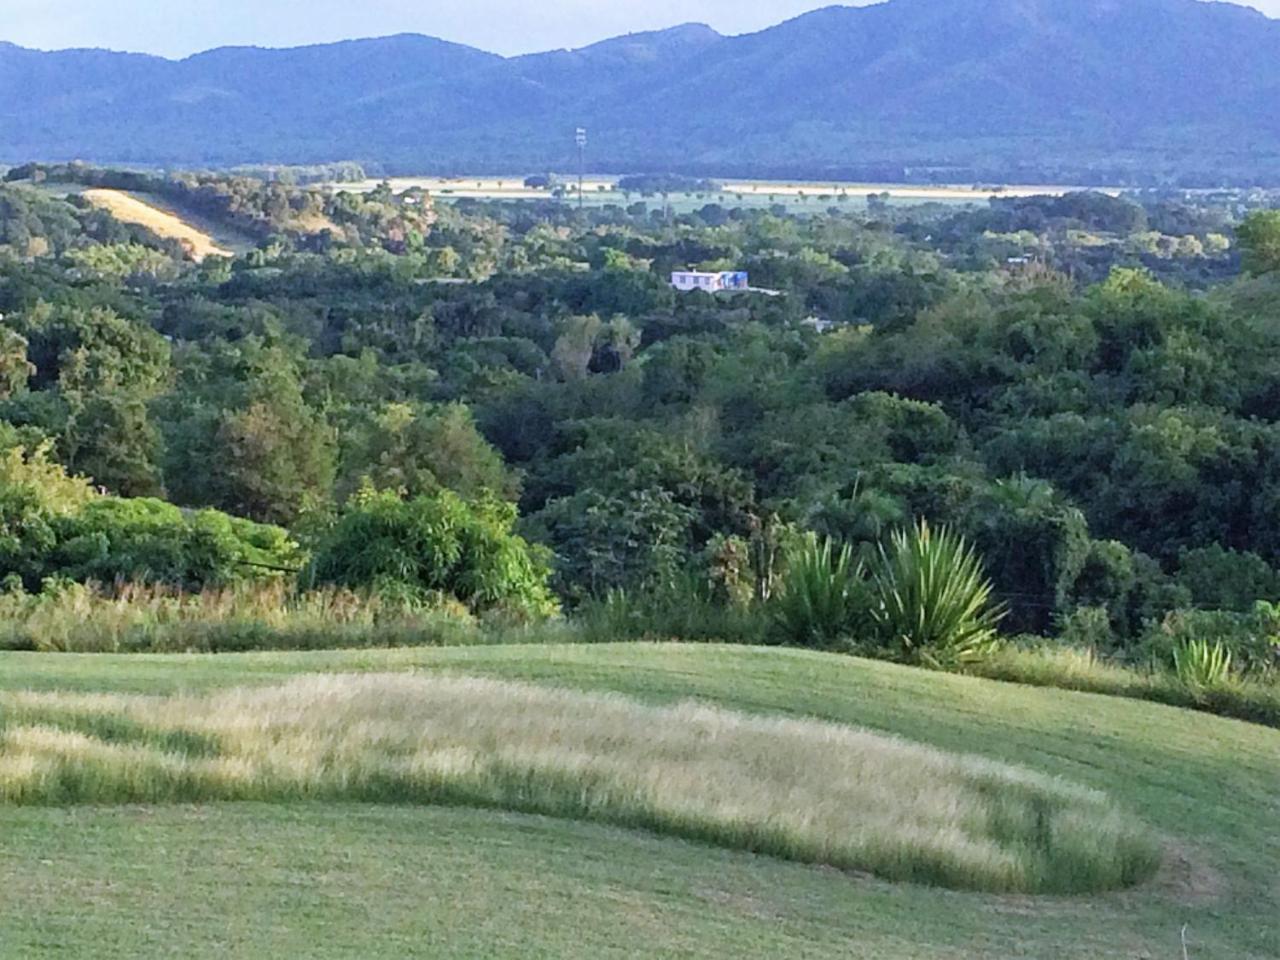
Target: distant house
x=710, y=282
x=819, y=324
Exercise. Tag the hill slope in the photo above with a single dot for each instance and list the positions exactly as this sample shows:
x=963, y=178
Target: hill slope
x=1126, y=88
x=257, y=880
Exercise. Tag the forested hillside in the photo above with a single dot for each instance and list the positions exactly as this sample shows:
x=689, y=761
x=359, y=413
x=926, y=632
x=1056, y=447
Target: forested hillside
x=1084, y=387
x=949, y=90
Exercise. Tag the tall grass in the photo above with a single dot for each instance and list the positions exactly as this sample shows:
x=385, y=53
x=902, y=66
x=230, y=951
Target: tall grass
x=804, y=790
x=684, y=610
x=155, y=619
x=1070, y=668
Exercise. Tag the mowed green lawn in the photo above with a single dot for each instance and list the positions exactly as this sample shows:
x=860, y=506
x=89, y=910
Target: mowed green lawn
x=360, y=881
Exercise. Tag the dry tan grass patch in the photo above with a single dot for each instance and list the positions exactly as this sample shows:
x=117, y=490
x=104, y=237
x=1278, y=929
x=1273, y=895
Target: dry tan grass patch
x=130, y=209
x=806, y=790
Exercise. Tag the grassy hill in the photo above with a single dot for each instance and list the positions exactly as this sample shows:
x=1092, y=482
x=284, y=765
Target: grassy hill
x=202, y=237
x=337, y=880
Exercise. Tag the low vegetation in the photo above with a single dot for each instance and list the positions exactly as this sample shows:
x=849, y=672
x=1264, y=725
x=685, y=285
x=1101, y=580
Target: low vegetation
x=798, y=789
x=332, y=880
x=74, y=618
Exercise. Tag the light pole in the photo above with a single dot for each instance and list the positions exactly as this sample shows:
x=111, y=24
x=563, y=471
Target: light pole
x=581, y=140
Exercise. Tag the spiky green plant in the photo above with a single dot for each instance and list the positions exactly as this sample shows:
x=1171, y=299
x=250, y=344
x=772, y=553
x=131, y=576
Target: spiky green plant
x=823, y=592
x=1202, y=665
x=932, y=602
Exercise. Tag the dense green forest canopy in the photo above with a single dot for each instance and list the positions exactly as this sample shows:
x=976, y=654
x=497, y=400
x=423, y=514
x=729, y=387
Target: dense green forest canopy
x=1085, y=386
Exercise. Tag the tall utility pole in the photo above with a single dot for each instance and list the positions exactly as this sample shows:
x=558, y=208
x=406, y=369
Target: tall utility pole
x=581, y=139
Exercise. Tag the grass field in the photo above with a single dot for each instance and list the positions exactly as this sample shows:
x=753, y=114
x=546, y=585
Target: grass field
x=798, y=789
x=201, y=237
x=796, y=196
x=249, y=880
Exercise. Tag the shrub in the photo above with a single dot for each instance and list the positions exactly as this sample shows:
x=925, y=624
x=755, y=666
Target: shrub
x=684, y=611
x=55, y=526
x=1219, y=579
x=932, y=601
x=150, y=541
x=822, y=598
x=1201, y=665
x=1249, y=638
x=1088, y=628
x=437, y=544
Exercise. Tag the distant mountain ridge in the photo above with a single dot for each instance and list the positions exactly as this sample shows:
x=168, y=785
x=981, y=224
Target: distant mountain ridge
x=1114, y=90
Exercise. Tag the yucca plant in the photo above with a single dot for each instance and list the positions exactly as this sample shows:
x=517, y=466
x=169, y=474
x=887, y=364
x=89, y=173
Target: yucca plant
x=823, y=592
x=932, y=602
x=1201, y=665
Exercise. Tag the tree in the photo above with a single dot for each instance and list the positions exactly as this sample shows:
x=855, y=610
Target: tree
x=417, y=450
x=276, y=461
x=436, y=546
x=15, y=368
x=1259, y=236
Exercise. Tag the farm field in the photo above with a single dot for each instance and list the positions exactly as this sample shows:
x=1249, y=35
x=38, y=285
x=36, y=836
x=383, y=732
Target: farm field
x=389, y=880
x=798, y=196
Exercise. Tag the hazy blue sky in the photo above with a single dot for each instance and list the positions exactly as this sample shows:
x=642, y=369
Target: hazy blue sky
x=180, y=27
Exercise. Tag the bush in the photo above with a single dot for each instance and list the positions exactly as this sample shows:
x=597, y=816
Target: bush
x=54, y=526
x=1088, y=628
x=685, y=610
x=150, y=541
x=932, y=601
x=438, y=544
x=1250, y=639
x=823, y=596
x=1202, y=665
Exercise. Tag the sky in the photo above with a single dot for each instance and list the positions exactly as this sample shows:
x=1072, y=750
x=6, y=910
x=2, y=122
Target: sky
x=177, y=28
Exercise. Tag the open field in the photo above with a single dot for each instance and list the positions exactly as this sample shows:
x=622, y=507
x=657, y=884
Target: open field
x=330, y=880
x=149, y=212
x=795, y=195
x=204, y=237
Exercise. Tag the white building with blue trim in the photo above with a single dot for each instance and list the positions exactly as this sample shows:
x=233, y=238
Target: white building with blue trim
x=686, y=280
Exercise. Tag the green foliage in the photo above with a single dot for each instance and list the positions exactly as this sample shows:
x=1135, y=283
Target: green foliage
x=1259, y=235
x=149, y=541
x=932, y=603
x=276, y=453
x=434, y=545
x=54, y=526
x=1099, y=424
x=1219, y=579
x=1201, y=665
x=1250, y=640
x=823, y=600
x=415, y=451
x=103, y=369
x=128, y=263
x=687, y=610
x=1088, y=628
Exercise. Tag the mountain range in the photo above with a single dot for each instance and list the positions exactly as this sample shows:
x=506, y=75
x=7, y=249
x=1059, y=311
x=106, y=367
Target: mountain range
x=1125, y=91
